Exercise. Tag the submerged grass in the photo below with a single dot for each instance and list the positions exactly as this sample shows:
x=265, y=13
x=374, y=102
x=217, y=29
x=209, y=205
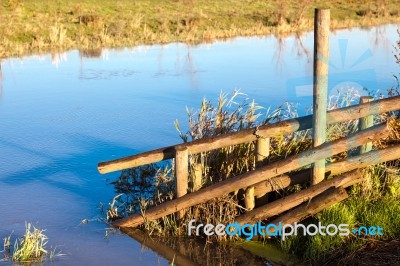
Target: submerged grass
x=43, y=26
x=30, y=248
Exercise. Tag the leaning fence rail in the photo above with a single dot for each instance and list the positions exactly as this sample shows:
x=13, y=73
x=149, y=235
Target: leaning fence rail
x=248, y=135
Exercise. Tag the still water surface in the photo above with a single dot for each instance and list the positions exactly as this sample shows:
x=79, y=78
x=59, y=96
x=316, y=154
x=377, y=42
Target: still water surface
x=61, y=114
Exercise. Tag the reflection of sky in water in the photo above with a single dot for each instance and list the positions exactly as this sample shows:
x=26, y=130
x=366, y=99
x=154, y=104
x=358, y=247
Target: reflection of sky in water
x=59, y=120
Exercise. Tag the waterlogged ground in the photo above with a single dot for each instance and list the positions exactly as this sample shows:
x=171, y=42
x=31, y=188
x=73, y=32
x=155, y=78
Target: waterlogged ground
x=61, y=114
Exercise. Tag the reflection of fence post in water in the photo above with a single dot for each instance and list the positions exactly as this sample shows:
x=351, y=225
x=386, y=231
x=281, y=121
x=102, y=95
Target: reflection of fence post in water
x=320, y=88
x=88, y=53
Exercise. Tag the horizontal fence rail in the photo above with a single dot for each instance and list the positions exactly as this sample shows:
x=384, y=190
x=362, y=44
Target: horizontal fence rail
x=351, y=163
x=284, y=204
x=263, y=173
x=248, y=135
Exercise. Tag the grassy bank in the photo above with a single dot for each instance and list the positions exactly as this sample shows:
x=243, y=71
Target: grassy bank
x=43, y=26
x=376, y=202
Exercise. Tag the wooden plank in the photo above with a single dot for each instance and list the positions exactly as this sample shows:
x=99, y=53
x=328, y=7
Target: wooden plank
x=320, y=88
x=181, y=174
x=253, y=177
x=362, y=110
x=281, y=182
x=207, y=144
x=247, y=135
x=317, y=204
x=281, y=205
x=301, y=177
x=364, y=160
x=262, y=152
x=365, y=122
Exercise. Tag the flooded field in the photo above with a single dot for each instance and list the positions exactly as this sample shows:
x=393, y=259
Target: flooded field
x=61, y=114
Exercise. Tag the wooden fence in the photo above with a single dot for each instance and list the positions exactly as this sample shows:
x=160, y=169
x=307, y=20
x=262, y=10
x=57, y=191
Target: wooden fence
x=264, y=179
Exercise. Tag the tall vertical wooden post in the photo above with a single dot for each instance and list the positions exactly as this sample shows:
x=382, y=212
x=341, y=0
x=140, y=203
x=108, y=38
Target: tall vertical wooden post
x=181, y=174
x=365, y=122
x=320, y=89
x=262, y=152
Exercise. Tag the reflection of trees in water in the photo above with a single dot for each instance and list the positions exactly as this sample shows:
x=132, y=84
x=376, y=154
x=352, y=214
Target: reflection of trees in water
x=191, y=69
x=184, y=63
x=189, y=66
x=58, y=58
x=279, y=52
x=300, y=50
x=381, y=39
x=160, y=59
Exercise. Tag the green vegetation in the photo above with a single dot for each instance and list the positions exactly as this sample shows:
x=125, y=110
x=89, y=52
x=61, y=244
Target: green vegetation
x=375, y=202
x=31, y=247
x=43, y=26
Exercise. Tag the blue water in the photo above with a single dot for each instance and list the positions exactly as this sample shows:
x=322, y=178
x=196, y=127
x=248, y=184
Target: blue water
x=61, y=114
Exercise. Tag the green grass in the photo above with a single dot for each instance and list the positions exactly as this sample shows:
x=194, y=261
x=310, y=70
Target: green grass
x=30, y=248
x=375, y=202
x=42, y=26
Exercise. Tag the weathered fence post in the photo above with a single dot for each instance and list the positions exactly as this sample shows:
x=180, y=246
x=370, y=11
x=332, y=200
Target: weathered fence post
x=320, y=88
x=365, y=122
x=181, y=174
x=197, y=176
x=262, y=152
x=262, y=149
